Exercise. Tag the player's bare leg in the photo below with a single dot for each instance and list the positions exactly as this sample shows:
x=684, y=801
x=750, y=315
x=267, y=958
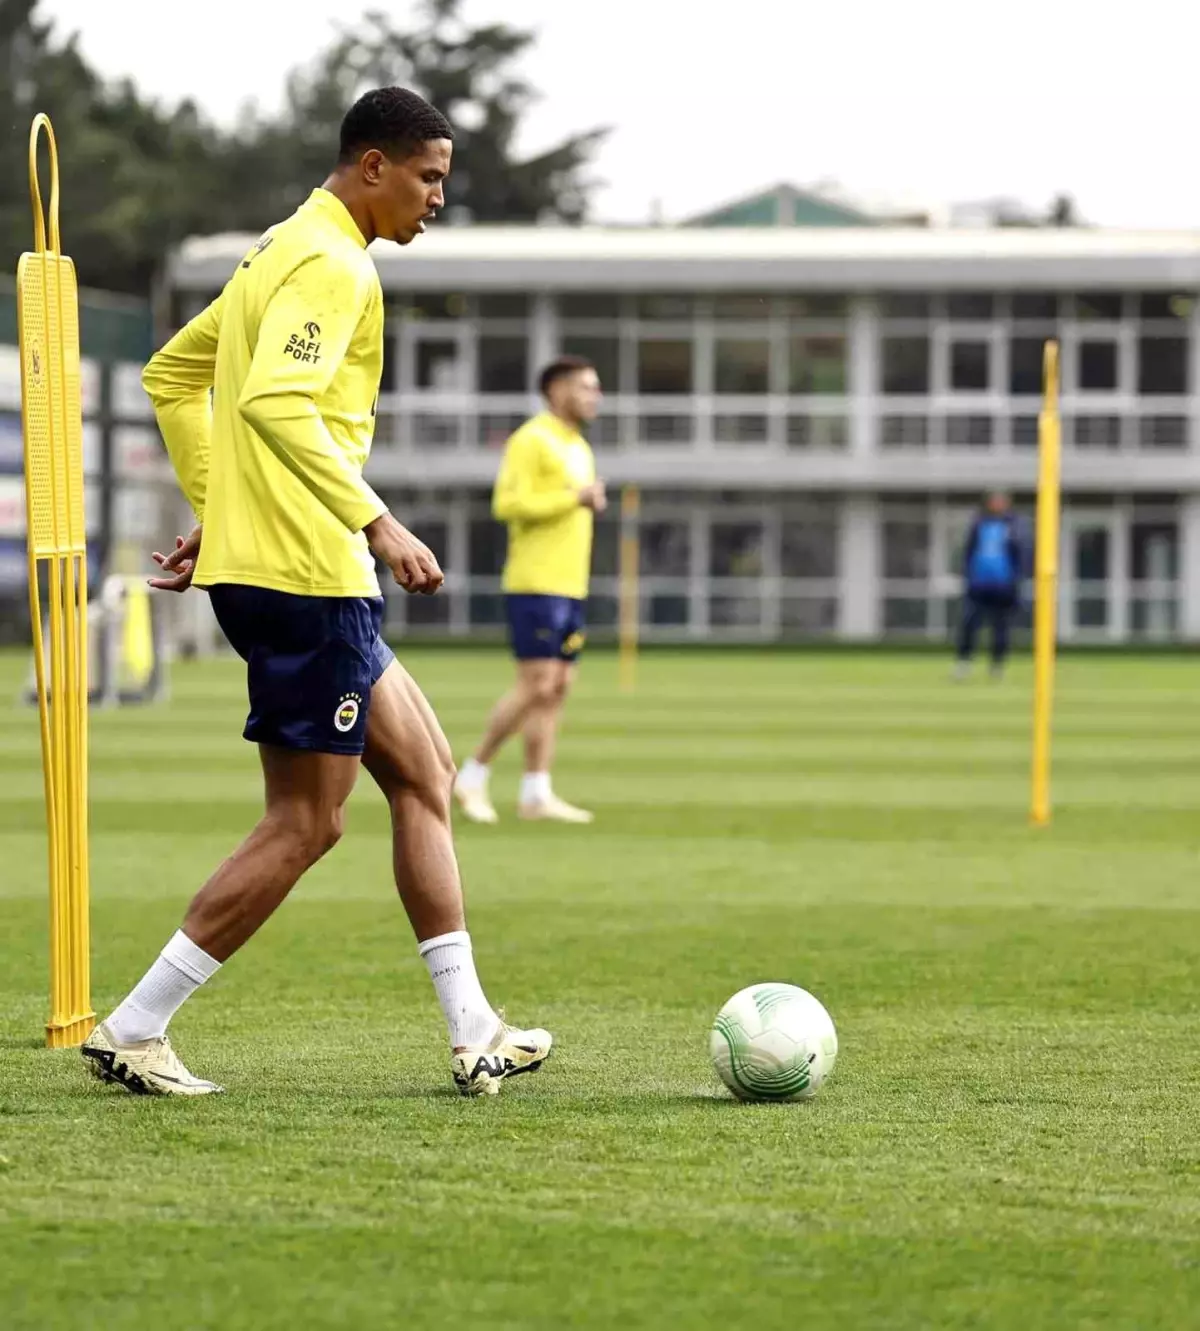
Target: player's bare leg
x=305, y=795
x=536, y=688
x=537, y=799
x=409, y=758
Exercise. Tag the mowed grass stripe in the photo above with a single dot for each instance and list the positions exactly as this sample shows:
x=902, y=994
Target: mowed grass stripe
x=1010, y=1139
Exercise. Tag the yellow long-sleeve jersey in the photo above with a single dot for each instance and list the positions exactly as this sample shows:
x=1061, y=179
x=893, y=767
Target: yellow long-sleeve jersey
x=546, y=463
x=293, y=351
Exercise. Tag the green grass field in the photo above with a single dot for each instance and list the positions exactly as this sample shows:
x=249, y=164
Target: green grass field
x=1011, y=1138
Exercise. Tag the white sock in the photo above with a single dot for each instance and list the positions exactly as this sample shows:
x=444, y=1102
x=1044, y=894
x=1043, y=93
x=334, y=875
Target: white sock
x=473, y=775
x=180, y=970
x=452, y=969
x=535, y=787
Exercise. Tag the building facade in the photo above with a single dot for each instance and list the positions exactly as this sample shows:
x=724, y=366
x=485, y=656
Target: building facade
x=811, y=415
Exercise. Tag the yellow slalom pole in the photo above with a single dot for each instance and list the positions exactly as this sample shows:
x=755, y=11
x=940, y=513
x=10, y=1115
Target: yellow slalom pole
x=629, y=591
x=1045, y=608
x=48, y=332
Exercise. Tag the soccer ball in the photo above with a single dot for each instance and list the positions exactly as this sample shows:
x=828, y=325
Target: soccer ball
x=773, y=1042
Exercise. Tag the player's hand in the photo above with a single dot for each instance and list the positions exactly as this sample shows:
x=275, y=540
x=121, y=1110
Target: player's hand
x=594, y=496
x=412, y=562
x=180, y=564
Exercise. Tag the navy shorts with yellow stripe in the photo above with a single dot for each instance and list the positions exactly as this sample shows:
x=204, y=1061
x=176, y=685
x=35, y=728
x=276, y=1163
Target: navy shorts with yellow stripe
x=311, y=662
x=545, y=627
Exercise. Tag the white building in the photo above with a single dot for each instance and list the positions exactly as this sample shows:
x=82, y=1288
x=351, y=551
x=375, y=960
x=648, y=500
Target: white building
x=811, y=413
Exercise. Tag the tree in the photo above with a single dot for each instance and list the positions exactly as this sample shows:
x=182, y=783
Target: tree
x=138, y=178
x=467, y=74
x=135, y=178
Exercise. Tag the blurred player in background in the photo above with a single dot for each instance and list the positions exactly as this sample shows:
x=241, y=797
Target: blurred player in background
x=993, y=570
x=293, y=350
x=548, y=494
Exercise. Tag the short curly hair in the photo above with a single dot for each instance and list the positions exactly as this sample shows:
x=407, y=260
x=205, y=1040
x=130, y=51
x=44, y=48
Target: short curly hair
x=397, y=121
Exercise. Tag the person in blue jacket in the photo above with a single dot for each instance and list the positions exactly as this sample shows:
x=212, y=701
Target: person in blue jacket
x=993, y=571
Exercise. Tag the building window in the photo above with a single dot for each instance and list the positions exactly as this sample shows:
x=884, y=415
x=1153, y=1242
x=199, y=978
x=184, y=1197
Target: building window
x=502, y=305
x=496, y=427
x=905, y=432
x=1041, y=305
x=970, y=305
x=665, y=549
x=736, y=550
x=747, y=307
x=969, y=431
x=1165, y=432
x=905, y=614
x=1099, y=305
x=817, y=432
x=664, y=366
x=670, y=308
x=906, y=365
x=969, y=372
x=817, y=365
x=903, y=305
x=503, y=365
x=603, y=352
x=434, y=305
x=437, y=366
x=1164, y=306
x=906, y=543
x=817, y=305
x=1023, y=432
x=741, y=429
x=743, y=365
x=1025, y=356
x=589, y=305
x=804, y=615
x=810, y=542
x=660, y=428
x=1097, y=372
x=1162, y=365
x=1100, y=432
x=436, y=430
x=605, y=431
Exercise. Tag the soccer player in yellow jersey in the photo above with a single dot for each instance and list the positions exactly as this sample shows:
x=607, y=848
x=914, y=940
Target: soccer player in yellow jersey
x=287, y=537
x=548, y=494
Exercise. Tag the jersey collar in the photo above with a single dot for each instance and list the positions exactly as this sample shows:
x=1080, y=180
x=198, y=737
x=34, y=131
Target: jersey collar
x=558, y=426
x=330, y=206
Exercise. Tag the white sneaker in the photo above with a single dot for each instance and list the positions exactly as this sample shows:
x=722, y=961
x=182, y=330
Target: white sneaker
x=474, y=801
x=553, y=809
x=479, y=1069
x=148, y=1067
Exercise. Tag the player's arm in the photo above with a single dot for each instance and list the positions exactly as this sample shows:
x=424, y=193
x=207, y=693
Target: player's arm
x=969, y=548
x=517, y=496
x=177, y=381
x=318, y=306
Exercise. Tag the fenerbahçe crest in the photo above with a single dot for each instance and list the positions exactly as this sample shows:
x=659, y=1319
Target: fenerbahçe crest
x=346, y=716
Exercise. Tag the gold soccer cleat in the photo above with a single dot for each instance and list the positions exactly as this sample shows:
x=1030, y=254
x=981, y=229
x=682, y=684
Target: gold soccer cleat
x=479, y=1069
x=149, y=1067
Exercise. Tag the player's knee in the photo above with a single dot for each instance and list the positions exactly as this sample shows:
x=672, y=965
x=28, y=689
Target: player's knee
x=544, y=691
x=310, y=831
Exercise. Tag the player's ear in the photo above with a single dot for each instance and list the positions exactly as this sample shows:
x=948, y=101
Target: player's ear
x=371, y=165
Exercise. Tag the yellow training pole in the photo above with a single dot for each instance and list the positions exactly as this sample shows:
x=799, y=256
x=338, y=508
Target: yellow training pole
x=629, y=592
x=51, y=418
x=1045, y=610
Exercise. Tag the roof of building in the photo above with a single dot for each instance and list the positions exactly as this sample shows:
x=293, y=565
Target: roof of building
x=730, y=257
x=783, y=205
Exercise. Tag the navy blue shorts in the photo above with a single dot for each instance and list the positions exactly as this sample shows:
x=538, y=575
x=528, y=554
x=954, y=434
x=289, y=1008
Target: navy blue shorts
x=310, y=664
x=545, y=628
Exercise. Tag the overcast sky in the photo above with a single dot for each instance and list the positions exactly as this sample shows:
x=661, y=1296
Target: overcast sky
x=937, y=99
